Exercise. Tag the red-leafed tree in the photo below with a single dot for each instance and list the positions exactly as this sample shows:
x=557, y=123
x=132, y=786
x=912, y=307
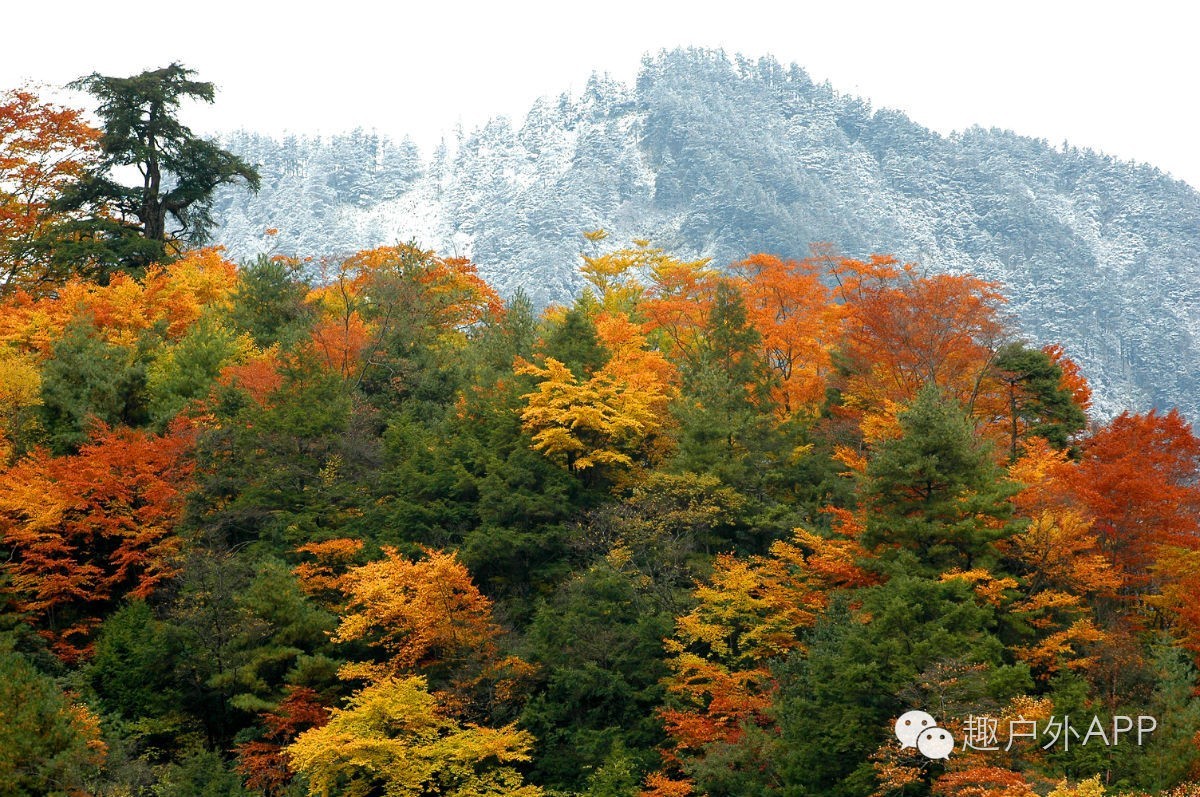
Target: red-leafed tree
x=1073, y=379
x=1139, y=477
x=264, y=763
x=904, y=331
x=85, y=530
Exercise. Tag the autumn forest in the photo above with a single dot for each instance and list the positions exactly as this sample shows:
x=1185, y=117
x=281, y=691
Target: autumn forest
x=361, y=526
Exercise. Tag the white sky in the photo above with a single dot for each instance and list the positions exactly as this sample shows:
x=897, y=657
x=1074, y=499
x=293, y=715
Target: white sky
x=1120, y=78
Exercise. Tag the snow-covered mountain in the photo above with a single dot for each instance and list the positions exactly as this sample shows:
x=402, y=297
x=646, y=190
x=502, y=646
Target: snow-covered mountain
x=724, y=157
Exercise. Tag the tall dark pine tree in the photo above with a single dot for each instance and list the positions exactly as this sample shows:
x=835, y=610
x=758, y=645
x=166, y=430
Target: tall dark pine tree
x=129, y=226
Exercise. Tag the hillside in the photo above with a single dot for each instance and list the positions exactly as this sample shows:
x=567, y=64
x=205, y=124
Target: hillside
x=707, y=155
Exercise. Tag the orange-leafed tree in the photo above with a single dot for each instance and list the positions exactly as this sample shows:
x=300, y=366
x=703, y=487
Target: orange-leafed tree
x=836, y=559
x=676, y=305
x=340, y=341
x=983, y=780
x=631, y=360
x=659, y=784
x=1058, y=558
x=749, y=613
x=1073, y=380
x=172, y=297
x=405, y=281
x=791, y=309
x=258, y=375
x=424, y=614
x=378, y=306
x=44, y=148
x=86, y=530
x=322, y=575
x=1047, y=477
x=1178, y=570
x=904, y=330
x=1059, y=548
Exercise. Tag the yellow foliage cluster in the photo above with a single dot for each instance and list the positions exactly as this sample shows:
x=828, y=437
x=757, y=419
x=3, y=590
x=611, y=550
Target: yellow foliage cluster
x=20, y=388
x=1084, y=788
x=392, y=738
x=609, y=420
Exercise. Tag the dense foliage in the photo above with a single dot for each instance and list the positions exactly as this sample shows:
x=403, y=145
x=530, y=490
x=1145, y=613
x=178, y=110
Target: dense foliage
x=360, y=527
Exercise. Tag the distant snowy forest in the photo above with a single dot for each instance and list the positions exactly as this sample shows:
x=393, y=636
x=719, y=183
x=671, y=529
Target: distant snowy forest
x=708, y=155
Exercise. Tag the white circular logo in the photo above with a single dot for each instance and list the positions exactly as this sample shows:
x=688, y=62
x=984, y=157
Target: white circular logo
x=935, y=743
x=919, y=729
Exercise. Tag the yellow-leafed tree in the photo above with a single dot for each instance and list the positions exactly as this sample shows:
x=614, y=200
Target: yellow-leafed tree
x=611, y=421
x=393, y=739
x=431, y=619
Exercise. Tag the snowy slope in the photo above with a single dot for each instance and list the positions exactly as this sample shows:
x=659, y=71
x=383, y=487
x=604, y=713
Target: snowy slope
x=709, y=156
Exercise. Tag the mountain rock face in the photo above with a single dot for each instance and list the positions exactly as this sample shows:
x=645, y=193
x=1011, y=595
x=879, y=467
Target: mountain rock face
x=705, y=155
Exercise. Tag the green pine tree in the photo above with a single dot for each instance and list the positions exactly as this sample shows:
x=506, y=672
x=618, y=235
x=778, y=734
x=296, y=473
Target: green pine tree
x=1036, y=397
x=937, y=500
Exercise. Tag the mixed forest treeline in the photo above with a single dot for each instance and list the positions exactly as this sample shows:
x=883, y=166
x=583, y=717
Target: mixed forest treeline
x=718, y=155
x=361, y=527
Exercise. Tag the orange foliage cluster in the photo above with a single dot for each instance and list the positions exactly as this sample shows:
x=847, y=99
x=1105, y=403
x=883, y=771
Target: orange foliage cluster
x=1072, y=376
x=89, y=529
x=424, y=613
x=174, y=295
x=44, y=148
x=748, y=614
x=371, y=294
x=258, y=375
x=677, y=303
x=904, y=330
x=1120, y=521
x=331, y=560
x=429, y=618
x=983, y=781
x=790, y=307
x=894, y=328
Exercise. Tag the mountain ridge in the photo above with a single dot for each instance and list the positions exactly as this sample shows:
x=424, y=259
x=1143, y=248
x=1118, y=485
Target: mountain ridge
x=713, y=156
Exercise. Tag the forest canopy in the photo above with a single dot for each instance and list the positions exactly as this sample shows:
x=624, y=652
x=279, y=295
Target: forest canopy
x=361, y=526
